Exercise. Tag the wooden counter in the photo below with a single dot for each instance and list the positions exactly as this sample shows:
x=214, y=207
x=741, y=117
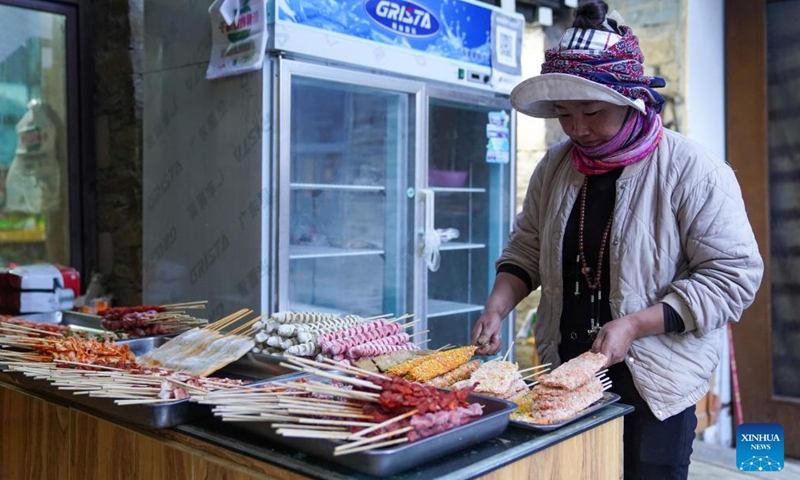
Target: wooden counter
x=43, y=439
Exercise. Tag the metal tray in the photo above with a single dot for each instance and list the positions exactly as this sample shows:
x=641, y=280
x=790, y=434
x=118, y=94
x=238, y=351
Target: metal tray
x=394, y=459
x=80, y=321
x=608, y=399
x=162, y=415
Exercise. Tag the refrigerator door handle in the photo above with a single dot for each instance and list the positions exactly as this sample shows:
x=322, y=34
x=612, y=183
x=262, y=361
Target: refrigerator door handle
x=431, y=239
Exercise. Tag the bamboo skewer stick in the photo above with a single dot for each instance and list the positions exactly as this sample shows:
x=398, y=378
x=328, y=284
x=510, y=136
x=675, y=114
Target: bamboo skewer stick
x=508, y=352
x=534, y=374
x=13, y=326
x=355, y=370
x=144, y=401
x=331, y=376
x=372, y=446
x=537, y=367
x=411, y=324
x=246, y=325
x=225, y=321
x=398, y=319
x=310, y=427
x=418, y=333
x=302, y=433
x=375, y=438
x=383, y=424
x=378, y=317
x=319, y=388
x=183, y=304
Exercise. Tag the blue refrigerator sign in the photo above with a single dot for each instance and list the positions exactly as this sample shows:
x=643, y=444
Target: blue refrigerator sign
x=452, y=29
x=456, y=41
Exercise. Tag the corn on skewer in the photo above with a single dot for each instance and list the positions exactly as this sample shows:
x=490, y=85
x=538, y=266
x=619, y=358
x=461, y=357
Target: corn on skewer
x=401, y=369
x=460, y=373
x=440, y=363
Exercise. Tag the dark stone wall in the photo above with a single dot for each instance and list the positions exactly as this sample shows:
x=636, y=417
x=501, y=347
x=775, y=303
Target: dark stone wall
x=118, y=50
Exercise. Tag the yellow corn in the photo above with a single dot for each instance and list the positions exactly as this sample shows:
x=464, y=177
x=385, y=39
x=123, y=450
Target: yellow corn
x=456, y=375
x=440, y=363
x=402, y=368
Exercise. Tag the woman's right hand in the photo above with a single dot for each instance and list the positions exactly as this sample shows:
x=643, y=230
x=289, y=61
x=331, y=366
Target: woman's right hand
x=487, y=334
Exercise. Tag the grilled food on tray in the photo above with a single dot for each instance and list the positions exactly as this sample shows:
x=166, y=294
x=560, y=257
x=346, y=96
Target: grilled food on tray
x=364, y=410
x=346, y=339
x=497, y=378
x=202, y=351
x=148, y=320
x=566, y=391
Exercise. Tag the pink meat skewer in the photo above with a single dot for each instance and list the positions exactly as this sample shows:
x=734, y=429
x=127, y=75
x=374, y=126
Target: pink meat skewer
x=348, y=332
x=376, y=350
x=396, y=339
x=342, y=345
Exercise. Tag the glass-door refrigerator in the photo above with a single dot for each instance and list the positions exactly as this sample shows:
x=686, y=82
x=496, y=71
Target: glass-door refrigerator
x=394, y=190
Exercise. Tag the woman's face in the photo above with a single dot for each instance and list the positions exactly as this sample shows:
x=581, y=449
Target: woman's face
x=590, y=123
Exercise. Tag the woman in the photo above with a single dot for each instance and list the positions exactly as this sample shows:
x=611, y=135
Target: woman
x=638, y=237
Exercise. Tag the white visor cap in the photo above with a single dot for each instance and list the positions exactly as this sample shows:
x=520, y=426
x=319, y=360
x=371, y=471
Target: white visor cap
x=537, y=95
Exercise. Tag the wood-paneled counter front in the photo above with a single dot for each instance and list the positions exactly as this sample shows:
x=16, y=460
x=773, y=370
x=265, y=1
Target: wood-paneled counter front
x=44, y=439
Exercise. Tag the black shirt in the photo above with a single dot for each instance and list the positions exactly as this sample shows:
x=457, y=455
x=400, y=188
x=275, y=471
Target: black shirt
x=577, y=310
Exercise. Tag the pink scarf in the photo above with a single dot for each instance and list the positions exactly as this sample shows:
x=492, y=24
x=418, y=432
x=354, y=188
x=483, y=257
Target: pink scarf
x=637, y=138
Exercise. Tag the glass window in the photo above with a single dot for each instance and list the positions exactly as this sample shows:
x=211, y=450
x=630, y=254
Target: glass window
x=34, y=218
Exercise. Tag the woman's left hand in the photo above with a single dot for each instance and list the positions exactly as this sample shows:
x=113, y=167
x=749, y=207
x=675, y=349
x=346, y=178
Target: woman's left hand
x=614, y=339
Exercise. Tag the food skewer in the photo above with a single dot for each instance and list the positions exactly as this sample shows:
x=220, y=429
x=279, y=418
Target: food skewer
x=373, y=446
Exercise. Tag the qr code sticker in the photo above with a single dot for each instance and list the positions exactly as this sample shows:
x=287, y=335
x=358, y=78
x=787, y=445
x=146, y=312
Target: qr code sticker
x=506, y=46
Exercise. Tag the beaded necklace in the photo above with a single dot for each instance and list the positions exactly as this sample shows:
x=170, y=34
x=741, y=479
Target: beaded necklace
x=592, y=277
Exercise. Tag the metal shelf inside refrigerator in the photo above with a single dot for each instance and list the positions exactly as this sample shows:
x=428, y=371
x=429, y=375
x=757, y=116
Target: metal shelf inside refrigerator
x=320, y=147
x=297, y=252
x=461, y=246
x=458, y=190
x=330, y=186
x=307, y=307
x=440, y=308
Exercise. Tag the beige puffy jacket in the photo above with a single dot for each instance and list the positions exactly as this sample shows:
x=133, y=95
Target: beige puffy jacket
x=680, y=235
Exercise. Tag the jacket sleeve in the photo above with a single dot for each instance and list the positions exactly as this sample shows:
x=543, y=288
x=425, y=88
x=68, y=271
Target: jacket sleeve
x=523, y=245
x=724, y=265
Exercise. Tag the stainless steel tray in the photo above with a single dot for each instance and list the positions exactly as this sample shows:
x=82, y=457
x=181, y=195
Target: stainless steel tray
x=83, y=321
x=608, y=399
x=162, y=415
x=394, y=459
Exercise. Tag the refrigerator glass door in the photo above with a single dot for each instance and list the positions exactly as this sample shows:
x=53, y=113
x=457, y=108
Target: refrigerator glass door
x=347, y=168
x=469, y=177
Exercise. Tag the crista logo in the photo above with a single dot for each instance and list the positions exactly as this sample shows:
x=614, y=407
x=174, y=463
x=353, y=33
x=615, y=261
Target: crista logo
x=404, y=17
